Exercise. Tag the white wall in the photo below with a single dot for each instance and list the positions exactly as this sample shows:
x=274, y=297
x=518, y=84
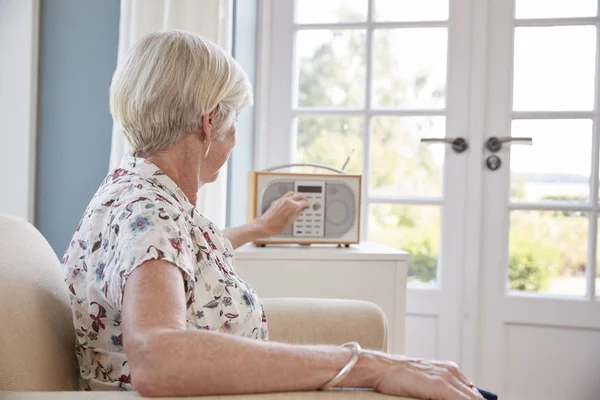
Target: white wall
x=18, y=97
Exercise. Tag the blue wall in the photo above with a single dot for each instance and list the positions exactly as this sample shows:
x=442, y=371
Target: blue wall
x=78, y=54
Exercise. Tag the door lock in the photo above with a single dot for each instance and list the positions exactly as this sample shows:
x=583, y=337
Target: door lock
x=493, y=162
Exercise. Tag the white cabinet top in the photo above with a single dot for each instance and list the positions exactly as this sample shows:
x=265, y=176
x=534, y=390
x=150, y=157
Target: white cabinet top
x=362, y=251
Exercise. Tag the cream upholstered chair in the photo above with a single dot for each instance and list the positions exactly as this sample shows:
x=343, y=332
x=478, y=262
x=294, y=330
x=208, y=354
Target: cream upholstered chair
x=37, y=335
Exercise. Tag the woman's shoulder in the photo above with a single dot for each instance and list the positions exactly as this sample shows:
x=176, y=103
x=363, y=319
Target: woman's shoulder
x=133, y=194
x=150, y=207
x=132, y=213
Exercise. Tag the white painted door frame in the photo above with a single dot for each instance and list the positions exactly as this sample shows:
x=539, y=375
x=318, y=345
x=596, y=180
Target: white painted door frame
x=472, y=290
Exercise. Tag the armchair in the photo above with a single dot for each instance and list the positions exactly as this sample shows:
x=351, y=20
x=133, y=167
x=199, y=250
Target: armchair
x=37, y=335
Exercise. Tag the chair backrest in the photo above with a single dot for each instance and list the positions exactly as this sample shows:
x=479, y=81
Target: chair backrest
x=37, y=338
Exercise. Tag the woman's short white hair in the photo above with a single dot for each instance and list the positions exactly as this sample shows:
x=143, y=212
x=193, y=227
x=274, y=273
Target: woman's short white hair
x=167, y=82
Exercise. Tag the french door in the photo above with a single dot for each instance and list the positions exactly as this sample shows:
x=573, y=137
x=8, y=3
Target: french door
x=539, y=336
x=502, y=233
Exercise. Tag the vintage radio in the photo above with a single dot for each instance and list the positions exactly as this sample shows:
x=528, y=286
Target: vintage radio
x=334, y=212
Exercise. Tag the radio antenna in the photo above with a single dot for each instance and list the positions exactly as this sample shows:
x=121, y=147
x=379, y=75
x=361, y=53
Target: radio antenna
x=347, y=160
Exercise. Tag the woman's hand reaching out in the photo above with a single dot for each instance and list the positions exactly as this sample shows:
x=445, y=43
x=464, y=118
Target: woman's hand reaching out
x=279, y=216
x=282, y=213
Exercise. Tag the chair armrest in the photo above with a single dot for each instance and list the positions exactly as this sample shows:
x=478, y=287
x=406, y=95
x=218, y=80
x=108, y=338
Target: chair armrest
x=291, y=320
x=326, y=321
x=331, y=395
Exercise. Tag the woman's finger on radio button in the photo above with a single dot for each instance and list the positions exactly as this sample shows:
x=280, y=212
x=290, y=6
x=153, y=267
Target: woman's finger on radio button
x=303, y=204
x=298, y=197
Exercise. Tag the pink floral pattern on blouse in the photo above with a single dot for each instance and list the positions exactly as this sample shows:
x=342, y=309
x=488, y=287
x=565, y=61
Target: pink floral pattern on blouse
x=140, y=214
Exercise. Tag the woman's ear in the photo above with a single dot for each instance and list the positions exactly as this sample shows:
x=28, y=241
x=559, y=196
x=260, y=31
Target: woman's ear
x=209, y=124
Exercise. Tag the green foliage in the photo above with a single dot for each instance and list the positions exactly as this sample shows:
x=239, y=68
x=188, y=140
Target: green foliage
x=330, y=140
x=544, y=245
x=530, y=269
x=423, y=260
x=412, y=228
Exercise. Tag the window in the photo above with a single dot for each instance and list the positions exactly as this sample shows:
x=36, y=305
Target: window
x=362, y=86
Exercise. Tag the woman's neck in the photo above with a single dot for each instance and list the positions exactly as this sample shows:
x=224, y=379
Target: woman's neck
x=182, y=164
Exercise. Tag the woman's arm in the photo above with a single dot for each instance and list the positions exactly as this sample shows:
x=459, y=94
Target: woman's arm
x=240, y=235
x=166, y=359
x=280, y=214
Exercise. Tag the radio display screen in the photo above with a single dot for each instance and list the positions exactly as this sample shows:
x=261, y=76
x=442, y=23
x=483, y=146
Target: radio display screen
x=309, y=189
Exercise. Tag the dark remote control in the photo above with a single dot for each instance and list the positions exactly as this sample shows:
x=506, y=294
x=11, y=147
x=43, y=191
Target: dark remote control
x=487, y=395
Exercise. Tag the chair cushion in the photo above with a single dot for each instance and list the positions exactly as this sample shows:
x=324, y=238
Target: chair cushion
x=36, y=327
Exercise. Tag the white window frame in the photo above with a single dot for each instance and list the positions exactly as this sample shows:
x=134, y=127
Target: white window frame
x=454, y=295
x=19, y=36
x=277, y=87
x=501, y=118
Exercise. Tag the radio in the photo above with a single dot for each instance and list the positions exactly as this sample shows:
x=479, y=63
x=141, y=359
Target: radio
x=334, y=199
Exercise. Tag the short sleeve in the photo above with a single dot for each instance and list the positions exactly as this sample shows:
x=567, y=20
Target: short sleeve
x=144, y=229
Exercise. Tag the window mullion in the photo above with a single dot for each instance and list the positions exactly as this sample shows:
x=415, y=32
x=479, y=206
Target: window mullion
x=593, y=226
x=367, y=120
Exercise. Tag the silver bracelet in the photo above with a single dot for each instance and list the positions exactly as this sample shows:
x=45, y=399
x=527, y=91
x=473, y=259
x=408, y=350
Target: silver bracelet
x=356, y=350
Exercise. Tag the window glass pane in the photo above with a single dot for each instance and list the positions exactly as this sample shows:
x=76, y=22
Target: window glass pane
x=331, y=68
x=557, y=166
x=411, y=10
x=554, y=68
x=400, y=164
x=548, y=252
x=404, y=74
x=330, y=140
x=415, y=229
x=331, y=11
x=555, y=8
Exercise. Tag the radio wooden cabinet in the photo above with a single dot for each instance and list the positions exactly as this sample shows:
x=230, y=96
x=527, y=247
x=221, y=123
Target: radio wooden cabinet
x=333, y=215
x=367, y=271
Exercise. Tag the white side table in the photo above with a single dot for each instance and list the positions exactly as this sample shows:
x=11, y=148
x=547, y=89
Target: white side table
x=369, y=271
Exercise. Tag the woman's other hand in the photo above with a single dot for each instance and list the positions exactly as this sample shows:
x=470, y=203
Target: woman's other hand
x=423, y=379
x=282, y=213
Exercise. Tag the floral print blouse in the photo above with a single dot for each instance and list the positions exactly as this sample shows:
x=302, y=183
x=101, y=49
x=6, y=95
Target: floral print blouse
x=140, y=214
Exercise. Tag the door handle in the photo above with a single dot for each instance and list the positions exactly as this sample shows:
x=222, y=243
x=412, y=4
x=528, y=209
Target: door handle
x=494, y=144
x=459, y=144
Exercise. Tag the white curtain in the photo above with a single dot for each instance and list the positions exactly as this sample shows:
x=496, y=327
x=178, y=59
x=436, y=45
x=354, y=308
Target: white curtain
x=212, y=19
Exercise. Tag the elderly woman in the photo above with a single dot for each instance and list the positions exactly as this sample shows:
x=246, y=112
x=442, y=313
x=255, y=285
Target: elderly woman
x=157, y=305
